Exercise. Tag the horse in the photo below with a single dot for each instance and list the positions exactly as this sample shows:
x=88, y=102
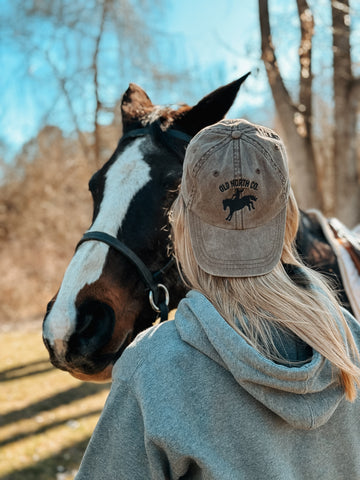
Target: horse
x=122, y=275
x=238, y=203
x=118, y=279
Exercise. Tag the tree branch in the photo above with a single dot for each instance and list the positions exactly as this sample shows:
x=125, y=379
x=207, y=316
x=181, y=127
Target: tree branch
x=307, y=31
x=341, y=50
x=98, y=106
x=62, y=83
x=281, y=96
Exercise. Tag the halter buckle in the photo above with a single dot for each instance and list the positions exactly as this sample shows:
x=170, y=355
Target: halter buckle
x=151, y=297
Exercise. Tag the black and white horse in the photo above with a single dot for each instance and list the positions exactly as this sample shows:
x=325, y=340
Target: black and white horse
x=122, y=270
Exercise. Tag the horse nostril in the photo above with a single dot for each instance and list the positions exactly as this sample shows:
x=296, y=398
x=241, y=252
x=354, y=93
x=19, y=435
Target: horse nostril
x=49, y=307
x=94, y=327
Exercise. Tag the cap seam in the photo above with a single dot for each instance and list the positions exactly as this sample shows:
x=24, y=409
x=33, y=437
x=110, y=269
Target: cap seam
x=228, y=263
x=196, y=168
x=238, y=173
x=205, y=155
x=257, y=144
x=242, y=264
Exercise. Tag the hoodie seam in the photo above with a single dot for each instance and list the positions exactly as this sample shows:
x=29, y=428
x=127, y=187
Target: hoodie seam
x=311, y=411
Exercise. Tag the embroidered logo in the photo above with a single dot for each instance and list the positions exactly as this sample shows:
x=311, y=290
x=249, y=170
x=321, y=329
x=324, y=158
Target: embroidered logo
x=236, y=203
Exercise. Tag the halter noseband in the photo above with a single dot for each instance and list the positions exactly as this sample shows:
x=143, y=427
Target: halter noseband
x=150, y=279
x=147, y=277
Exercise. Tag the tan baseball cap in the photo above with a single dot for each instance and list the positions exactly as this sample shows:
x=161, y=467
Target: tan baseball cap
x=235, y=186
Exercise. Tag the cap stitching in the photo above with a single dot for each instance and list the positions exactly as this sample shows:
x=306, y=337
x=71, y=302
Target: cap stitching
x=228, y=263
x=237, y=173
x=218, y=129
x=255, y=143
x=205, y=155
x=201, y=161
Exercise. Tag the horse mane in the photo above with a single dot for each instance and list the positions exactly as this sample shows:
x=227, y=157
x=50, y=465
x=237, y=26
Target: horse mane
x=167, y=115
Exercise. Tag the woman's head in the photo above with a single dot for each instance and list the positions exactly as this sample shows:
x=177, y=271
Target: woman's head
x=235, y=187
x=233, y=202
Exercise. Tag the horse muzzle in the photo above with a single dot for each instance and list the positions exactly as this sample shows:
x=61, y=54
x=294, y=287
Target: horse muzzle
x=84, y=353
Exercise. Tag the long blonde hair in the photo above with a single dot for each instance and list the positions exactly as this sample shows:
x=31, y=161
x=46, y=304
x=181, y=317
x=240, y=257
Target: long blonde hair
x=252, y=305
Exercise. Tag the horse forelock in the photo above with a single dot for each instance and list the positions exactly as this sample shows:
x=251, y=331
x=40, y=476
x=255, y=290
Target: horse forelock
x=166, y=114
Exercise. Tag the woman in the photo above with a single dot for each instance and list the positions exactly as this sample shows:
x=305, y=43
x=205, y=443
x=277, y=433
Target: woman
x=256, y=377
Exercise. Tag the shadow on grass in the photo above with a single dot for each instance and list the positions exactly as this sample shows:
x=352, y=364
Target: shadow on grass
x=26, y=370
x=45, y=428
x=65, y=461
x=57, y=400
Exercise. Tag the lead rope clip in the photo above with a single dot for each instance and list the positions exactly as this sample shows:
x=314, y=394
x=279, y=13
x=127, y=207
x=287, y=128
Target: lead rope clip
x=162, y=308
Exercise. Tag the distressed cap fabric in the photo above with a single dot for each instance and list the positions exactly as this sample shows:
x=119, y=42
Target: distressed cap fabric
x=235, y=186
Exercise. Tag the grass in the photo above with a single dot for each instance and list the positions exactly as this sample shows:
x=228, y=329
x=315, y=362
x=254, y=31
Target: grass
x=46, y=416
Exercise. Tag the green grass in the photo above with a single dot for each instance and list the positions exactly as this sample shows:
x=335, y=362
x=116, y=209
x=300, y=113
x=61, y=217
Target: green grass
x=46, y=416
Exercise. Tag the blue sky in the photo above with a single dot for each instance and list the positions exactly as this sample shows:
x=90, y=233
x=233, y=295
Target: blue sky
x=209, y=41
x=201, y=38
x=221, y=39
x=214, y=29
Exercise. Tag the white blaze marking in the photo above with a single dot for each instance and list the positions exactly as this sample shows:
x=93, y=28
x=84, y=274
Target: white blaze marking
x=124, y=179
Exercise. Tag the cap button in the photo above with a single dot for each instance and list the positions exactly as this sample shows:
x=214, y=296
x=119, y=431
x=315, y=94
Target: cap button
x=236, y=134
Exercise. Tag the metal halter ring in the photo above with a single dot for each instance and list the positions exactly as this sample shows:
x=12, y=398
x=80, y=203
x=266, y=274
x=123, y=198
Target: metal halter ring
x=151, y=297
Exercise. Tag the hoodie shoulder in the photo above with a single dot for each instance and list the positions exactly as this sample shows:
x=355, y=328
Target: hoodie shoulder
x=153, y=348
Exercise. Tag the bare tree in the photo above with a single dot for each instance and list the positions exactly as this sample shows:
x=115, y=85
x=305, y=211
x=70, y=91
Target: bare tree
x=297, y=119
x=86, y=49
x=346, y=101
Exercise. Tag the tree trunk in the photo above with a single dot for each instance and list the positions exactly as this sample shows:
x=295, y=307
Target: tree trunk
x=346, y=95
x=295, y=119
x=98, y=104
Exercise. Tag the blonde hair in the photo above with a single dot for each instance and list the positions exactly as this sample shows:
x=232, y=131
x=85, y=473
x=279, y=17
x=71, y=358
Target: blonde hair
x=252, y=305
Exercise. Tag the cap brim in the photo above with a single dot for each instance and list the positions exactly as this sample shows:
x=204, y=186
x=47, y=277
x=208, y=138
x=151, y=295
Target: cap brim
x=237, y=253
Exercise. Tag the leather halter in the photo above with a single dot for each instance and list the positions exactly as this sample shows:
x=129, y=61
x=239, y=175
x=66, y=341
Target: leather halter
x=149, y=278
x=162, y=136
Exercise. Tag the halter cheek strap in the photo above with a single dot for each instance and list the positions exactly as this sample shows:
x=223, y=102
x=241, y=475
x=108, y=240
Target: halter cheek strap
x=147, y=277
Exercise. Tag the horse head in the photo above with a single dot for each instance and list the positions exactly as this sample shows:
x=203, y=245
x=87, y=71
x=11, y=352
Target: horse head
x=102, y=302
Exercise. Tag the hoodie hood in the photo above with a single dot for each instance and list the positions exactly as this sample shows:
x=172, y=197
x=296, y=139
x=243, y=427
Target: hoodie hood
x=304, y=396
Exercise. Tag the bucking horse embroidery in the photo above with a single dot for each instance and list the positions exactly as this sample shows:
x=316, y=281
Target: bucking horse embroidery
x=236, y=203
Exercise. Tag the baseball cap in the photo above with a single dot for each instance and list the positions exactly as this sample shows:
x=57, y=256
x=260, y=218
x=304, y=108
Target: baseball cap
x=235, y=186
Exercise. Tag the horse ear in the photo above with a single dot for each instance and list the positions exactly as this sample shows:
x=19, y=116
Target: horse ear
x=210, y=109
x=134, y=105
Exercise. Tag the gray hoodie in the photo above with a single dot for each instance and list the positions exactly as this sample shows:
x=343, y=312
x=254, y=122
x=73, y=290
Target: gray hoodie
x=191, y=399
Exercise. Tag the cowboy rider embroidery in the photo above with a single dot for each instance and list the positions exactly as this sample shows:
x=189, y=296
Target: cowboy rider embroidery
x=236, y=203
